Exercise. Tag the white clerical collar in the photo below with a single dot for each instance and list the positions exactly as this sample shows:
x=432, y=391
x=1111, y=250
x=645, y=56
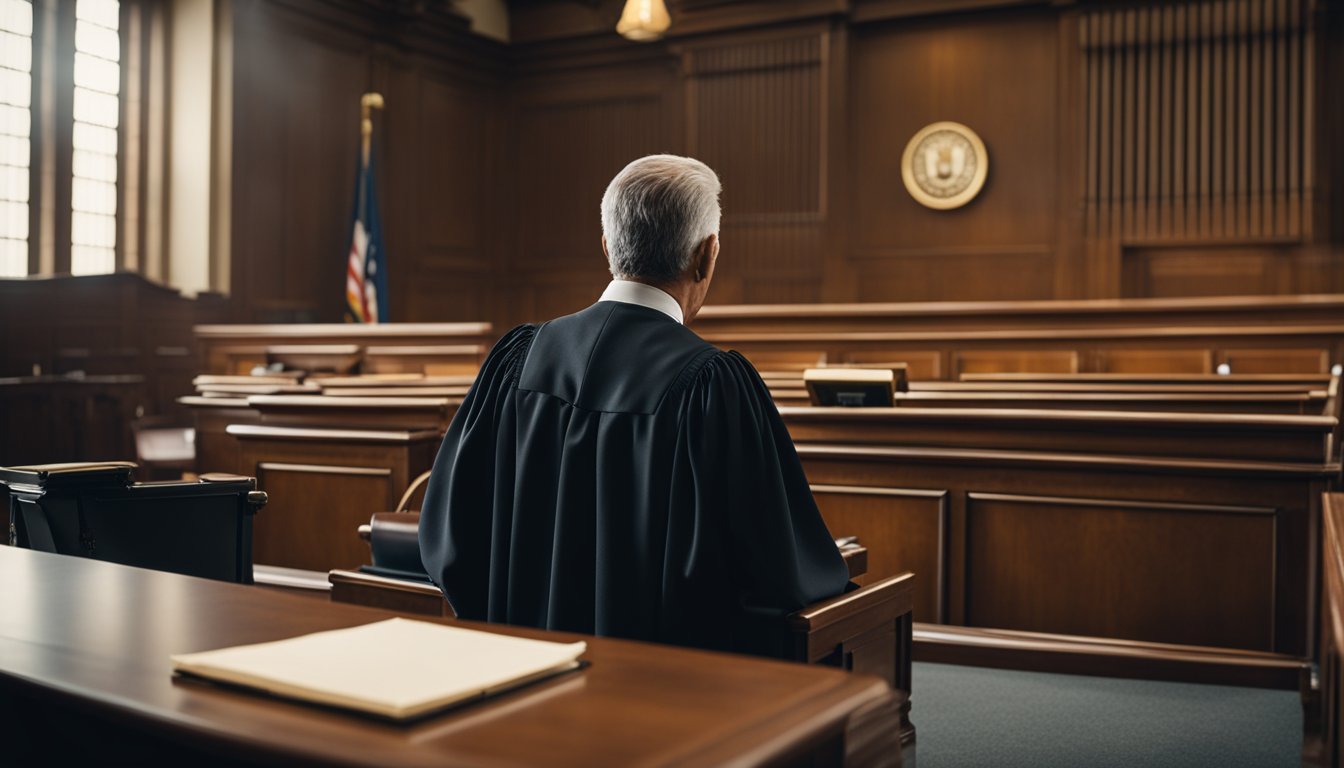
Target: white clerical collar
x=630, y=292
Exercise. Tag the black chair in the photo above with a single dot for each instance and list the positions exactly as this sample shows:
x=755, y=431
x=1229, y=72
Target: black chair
x=197, y=528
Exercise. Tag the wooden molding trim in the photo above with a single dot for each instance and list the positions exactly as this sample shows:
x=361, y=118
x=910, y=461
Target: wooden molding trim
x=1116, y=503
x=1054, y=335
x=405, y=350
x=1088, y=420
x=252, y=431
x=868, y=491
x=262, y=402
x=343, y=330
x=920, y=455
x=881, y=10
x=1106, y=657
x=325, y=469
x=1042, y=307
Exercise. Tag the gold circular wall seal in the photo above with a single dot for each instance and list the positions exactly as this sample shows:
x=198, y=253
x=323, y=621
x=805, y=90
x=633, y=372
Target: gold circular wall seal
x=944, y=165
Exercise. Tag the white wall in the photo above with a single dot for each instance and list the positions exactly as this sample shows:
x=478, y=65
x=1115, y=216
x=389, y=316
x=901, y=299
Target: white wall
x=191, y=130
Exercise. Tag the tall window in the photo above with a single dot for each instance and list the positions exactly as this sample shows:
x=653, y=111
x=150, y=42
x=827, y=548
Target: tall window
x=93, y=192
x=16, y=90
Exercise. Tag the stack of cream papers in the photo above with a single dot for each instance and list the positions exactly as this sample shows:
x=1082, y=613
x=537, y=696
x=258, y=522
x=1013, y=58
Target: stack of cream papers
x=397, y=668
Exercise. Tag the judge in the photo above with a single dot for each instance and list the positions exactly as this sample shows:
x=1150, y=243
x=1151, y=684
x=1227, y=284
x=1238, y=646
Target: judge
x=612, y=473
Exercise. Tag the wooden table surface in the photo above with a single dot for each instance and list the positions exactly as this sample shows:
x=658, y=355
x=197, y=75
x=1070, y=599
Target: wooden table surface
x=86, y=638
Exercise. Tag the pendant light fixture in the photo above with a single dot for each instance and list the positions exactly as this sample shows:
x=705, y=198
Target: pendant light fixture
x=643, y=20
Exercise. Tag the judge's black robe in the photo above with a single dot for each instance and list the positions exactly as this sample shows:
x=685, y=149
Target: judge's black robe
x=611, y=473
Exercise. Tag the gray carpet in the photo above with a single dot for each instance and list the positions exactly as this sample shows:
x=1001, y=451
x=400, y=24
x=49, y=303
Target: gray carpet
x=967, y=716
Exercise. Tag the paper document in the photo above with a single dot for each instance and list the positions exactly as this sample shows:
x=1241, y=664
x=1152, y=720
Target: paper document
x=396, y=668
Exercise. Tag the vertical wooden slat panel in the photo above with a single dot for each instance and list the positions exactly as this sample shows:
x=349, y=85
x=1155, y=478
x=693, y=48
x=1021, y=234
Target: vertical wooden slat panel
x=1265, y=115
x=1106, y=123
x=1185, y=154
x=1198, y=128
x=1171, y=194
x=1281, y=114
x=1108, y=179
x=1243, y=112
x=1203, y=136
x=1087, y=37
x=1294, y=125
x=1308, y=119
x=1142, y=120
x=1127, y=124
x=1156, y=114
x=1219, y=122
x=1252, y=115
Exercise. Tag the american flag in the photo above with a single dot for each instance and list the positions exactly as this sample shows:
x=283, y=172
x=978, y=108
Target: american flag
x=366, y=267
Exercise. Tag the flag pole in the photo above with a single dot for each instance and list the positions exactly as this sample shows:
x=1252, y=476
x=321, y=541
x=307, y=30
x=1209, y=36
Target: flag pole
x=367, y=103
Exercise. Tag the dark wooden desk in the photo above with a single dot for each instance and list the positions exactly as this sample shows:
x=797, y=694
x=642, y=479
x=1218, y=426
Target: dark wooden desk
x=85, y=677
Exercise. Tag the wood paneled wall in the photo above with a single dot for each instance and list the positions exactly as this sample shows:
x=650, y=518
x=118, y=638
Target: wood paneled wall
x=573, y=129
x=1159, y=149
x=757, y=115
x=999, y=75
x=301, y=66
x=1199, y=144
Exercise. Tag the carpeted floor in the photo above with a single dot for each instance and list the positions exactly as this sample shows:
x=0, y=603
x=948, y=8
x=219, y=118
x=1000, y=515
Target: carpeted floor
x=968, y=716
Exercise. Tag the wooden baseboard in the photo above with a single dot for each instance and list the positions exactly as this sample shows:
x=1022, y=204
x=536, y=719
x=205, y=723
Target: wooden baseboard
x=1106, y=657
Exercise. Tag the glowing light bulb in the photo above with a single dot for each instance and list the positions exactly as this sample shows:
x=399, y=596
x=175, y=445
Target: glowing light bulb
x=643, y=20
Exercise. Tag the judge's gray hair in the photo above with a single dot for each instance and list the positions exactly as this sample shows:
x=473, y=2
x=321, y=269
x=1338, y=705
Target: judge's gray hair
x=654, y=214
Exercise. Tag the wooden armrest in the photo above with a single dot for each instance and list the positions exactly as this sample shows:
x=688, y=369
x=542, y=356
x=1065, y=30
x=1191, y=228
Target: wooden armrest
x=384, y=582
x=846, y=620
x=388, y=593
x=391, y=521
x=887, y=598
